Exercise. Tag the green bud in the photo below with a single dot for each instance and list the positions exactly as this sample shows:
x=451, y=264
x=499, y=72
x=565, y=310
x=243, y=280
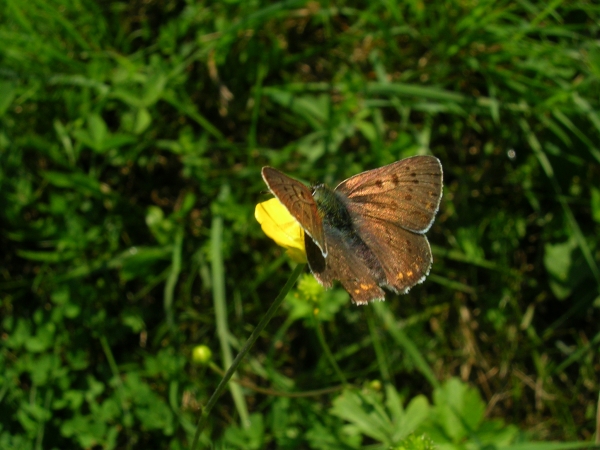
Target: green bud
x=375, y=385
x=201, y=354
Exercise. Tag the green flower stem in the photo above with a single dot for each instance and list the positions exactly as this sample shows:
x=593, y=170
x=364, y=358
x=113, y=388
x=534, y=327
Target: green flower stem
x=112, y=363
x=238, y=359
x=274, y=393
x=377, y=345
x=328, y=353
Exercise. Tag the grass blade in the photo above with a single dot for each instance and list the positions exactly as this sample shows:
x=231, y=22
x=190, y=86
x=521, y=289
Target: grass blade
x=220, y=303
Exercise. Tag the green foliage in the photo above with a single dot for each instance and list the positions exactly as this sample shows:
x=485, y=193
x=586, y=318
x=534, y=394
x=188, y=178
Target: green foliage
x=311, y=299
x=416, y=443
x=369, y=416
x=454, y=421
x=131, y=140
x=251, y=437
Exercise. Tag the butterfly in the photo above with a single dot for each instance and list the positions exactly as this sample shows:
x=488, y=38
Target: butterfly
x=369, y=231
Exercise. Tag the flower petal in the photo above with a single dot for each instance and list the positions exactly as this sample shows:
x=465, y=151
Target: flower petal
x=277, y=223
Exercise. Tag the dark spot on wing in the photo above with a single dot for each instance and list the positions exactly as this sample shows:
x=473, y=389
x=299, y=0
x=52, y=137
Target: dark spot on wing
x=379, y=184
x=408, y=197
x=395, y=180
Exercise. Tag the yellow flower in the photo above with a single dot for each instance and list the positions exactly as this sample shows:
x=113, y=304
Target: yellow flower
x=279, y=225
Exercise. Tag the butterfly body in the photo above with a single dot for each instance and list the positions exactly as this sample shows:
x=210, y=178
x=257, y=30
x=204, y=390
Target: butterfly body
x=368, y=231
x=332, y=208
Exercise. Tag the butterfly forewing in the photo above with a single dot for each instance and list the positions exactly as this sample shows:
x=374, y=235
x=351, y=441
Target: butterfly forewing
x=298, y=200
x=406, y=193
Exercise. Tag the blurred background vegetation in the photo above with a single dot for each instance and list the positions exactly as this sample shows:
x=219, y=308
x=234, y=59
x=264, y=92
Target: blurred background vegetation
x=131, y=142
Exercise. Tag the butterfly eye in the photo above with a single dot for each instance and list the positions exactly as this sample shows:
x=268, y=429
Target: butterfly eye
x=318, y=191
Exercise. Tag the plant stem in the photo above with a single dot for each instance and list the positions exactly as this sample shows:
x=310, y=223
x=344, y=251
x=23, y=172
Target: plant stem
x=238, y=359
x=328, y=353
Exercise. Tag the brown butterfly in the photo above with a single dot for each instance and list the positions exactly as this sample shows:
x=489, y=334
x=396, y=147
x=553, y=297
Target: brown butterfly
x=370, y=230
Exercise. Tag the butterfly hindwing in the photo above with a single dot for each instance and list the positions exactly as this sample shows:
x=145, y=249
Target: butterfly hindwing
x=404, y=256
x=344, y=263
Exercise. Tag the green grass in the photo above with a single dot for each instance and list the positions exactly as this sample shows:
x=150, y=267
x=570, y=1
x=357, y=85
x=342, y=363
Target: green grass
x=131, y=140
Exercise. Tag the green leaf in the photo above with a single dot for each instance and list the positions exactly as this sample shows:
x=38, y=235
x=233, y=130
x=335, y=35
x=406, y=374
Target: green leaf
x=8, y=92
x=141, y=261
x=49, y=257
x=416, y=442
x=75, y=180
x=596, y=204
x=42, y=340
x=417, y=411
x=387, y=424
x=457, y=412
x=162, y=228
x=153, y=89
x=150, y=409
x=97, y=130
x=143, y=119
x=356, y=409
x=311, y=299
x=558, y=263
x=313, y=109
x=250, y=438
x=86, y=429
